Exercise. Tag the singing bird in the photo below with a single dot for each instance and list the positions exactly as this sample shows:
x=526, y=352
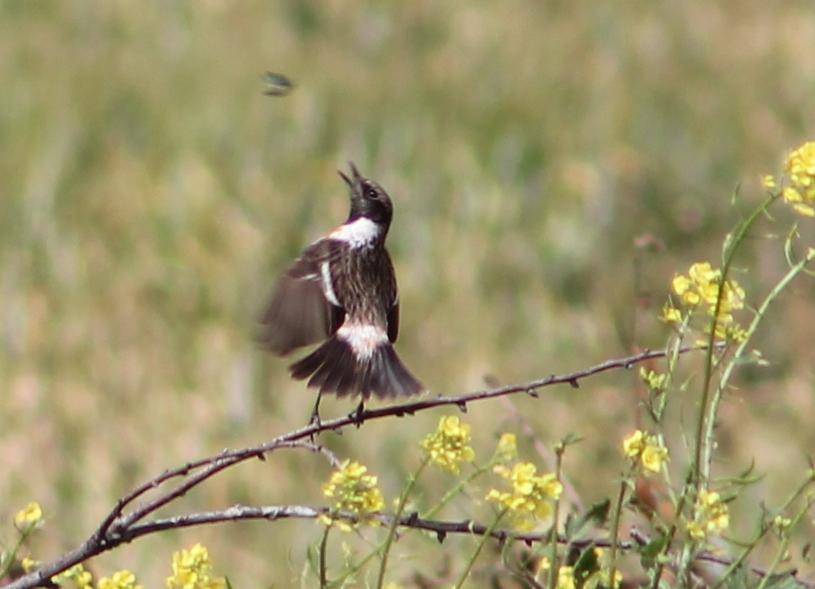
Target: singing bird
x=342, y=290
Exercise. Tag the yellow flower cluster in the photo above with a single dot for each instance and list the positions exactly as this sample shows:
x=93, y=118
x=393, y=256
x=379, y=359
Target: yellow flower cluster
x=653, y=380
x=645, y=449
x=120, y=580
x=712, y=516
x=449, y=445
x=565, y=577
x=800, y=169
x=352, y=490
x=192, y=570
x=531, y=496
x=507, y=447
x=781, y=524
x=76, y=576
x=29, y=516
x=700, y=287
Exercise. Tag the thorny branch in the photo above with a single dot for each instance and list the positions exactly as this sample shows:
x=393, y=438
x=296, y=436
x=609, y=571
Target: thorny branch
x=119, y=527
x=441, y=529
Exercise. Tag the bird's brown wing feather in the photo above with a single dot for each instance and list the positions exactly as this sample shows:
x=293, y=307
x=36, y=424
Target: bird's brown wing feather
x=299, y=313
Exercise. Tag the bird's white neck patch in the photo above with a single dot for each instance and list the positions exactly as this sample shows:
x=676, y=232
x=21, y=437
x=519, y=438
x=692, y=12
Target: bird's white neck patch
x=360, y=233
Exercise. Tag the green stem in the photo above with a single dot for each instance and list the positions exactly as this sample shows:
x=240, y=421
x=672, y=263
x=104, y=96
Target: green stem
x=554, y=571
x=615, y=526
x=730, y=252
x=785, y=542
x=11, y=557
x=323, y=546
x=672, y=362
x=728, y=371
x=354, y=569
x=427, y=515
x=395, y=522
x=449, y=495
x=762, y=532
x=669, y=540
x=486, y=536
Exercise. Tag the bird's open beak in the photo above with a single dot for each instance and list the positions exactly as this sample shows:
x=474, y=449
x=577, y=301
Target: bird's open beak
x=355, y=175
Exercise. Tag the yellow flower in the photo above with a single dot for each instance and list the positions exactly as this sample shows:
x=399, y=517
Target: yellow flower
x=29, y=564
x=768, y=182
x=711, y=516
x=670, y=314
x=77, y=575
x=354, y=491
x=804, y=210
x=449, y=444
x=782, y=524
x=601, y=579
x=653, y=457
x=120, y=580
x=531, y=496
x=565, y=574
x=507, y=447
x=702, y=286
x=682, y=287
x=634, y=444
x=29, y=516
x=646, y=449
x=192, y=570
x=655, y=381
x=800, y=169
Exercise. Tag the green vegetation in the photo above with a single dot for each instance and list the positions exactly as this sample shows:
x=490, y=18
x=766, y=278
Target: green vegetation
x=552, y=165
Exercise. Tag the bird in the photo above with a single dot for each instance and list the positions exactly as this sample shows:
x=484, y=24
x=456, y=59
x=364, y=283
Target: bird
x=342, y=293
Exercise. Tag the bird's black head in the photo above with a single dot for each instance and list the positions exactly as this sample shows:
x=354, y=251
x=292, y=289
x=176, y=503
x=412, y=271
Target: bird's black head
x=368, y=199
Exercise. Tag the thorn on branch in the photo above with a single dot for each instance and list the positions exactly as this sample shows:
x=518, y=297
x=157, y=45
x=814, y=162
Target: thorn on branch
x=533, y=393
x=413, y=518
x=462, y=406
x=440, y=536
x=574, y=383
x=638, y=536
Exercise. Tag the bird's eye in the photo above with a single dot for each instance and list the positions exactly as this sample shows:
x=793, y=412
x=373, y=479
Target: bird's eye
x=370, y=193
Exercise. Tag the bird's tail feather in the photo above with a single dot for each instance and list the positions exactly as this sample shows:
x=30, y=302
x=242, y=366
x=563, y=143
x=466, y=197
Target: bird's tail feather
x=335, y=368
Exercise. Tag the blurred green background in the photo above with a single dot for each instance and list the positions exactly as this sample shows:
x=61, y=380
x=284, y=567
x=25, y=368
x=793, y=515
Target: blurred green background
x=552, y=165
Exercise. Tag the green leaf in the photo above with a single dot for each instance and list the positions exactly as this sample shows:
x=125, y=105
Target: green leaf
x=783, y=581
x=650, y=552
x=586, y=565
x=737, y=579
x=597, y=514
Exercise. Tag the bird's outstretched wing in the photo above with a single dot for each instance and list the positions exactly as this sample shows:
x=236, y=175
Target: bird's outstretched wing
x=301, y=312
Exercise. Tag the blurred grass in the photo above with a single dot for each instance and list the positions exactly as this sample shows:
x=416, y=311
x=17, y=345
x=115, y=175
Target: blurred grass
x=151, y=193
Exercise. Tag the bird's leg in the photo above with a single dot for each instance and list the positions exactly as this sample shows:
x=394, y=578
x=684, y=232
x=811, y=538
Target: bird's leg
x=356, y=414
x=315, y=413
